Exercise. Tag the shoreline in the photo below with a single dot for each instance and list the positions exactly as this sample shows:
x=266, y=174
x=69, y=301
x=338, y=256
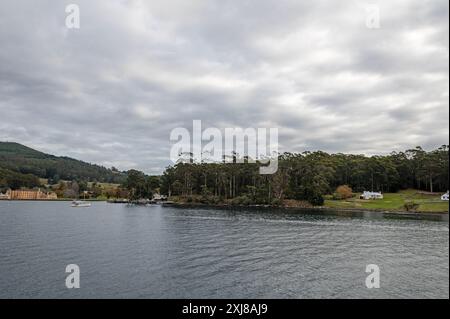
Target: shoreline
x=280, y=208
x=51, y=200
x=312, y=208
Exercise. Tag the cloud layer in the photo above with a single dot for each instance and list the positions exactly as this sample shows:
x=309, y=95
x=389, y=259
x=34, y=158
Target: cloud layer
x=111, y=91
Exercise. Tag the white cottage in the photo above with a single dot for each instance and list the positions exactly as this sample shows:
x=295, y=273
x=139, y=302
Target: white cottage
x=445, y=196
x=371, y=195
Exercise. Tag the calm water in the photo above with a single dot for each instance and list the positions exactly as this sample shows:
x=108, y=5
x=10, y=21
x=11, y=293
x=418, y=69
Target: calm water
x=158, y=252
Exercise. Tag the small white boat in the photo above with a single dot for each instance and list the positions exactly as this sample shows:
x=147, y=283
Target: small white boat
x=80, y=203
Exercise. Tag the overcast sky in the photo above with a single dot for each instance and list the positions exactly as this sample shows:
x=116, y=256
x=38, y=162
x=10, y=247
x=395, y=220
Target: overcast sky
x=111, y=91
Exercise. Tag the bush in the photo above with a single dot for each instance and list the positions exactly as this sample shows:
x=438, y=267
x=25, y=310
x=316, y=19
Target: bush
x=343, y=192
x=316, y=199
x=411, y=206
x=241, y=201
x=215, y=200
x=336, y=196
x=277, y=202
x=209, y=200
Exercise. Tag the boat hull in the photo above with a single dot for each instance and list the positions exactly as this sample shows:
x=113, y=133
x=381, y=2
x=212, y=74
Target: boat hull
x=81, y=204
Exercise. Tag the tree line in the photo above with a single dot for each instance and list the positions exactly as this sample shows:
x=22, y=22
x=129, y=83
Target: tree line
x=306, y=176
x=309, y=176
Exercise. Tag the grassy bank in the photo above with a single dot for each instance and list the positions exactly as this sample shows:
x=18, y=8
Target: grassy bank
x=395, y=202
x=419, y=202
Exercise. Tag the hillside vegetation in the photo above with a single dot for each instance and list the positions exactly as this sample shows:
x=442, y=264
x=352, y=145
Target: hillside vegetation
x=21, y=166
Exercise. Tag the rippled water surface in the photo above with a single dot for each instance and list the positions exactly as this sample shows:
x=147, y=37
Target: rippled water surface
x=161, y=252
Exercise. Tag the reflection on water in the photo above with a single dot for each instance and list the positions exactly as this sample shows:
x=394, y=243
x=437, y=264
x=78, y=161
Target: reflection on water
x=160, y=252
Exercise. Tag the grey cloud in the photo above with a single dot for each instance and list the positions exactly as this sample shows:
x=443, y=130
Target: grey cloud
x=112, y=91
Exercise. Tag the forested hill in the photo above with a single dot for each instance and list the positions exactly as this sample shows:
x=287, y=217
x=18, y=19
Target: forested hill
x=21, y=162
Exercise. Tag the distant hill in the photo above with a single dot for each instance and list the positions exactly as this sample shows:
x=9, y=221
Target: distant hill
x=21, y=162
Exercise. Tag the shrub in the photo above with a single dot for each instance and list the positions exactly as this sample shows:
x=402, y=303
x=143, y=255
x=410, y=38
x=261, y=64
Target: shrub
x=344, y=192
x=214, y=200
x=277, y=202
x=209, y=199
x=336, y=196
x=411, y=206
x=241, y=201
x=316, y=199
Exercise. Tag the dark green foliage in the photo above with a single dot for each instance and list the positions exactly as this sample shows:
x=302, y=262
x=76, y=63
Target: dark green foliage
x=24, y=160
x=243, y=200
x=14, y=180
x=139, y=185
x=315, y=198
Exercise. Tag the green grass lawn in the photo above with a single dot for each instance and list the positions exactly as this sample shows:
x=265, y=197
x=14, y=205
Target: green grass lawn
x=394, y=202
